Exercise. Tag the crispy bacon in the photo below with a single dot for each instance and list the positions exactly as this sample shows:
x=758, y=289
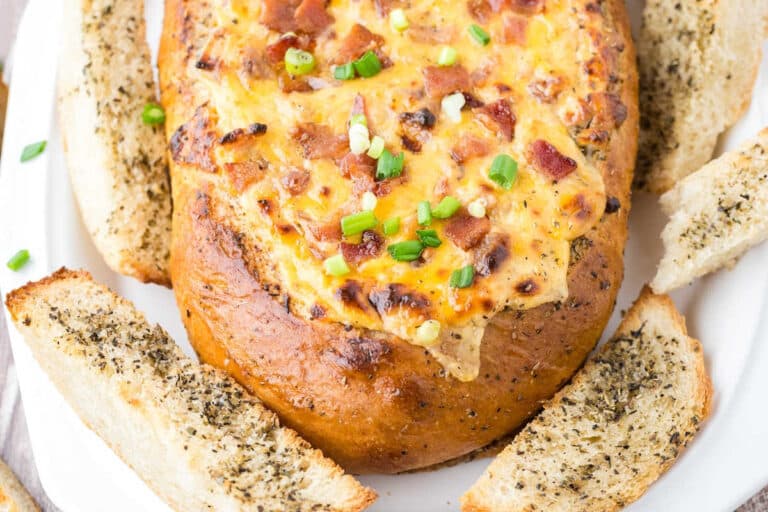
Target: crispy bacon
x=361, y=169
x=312, y=17
x=318, y=141
x=288, y=83
x=547, y=159
x=295, y=181
x=469, y=146
x=546, y=88
x=325, y=232
x=499, y=115
x=441, y=81
x=432, y=34
x=370, y=246
x=358, y=41
x=528, y=7
x=415, y=128
x=480, y=10
x=466, y=231
x=275, y=52
x=513, y=29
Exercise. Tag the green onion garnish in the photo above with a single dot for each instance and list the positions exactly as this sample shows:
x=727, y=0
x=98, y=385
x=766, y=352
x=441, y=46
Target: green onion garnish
x=30, y=151
x=406, y=251
x=299, y=62
x=358, y=119
x=391, y=226
x=428, y=237
x=18, y=260
x=479, y=34
x=358, y=222
x=446, y=208
x=368, y=65
x=503, y=171
x=424, y=213
x=344, y=72
x=447, y=56
x=377, y=147
x=398, y=21
x=336, y=266
x=463, y=277
x=153, y=114
x=389, y=165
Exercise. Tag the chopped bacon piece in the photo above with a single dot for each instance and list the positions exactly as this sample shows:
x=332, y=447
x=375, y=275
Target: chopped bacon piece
x=288, y=83
x=546, y=88
x=431, y=34
x=528, y=7
x=361, y=169
x=275, y=52
x=469, y=146
x=415, y=128
x=358, y=41
x=319, y=141
x=499, y=115
x=312, y=17
x=423, y=118
x=441, y=81
x=370, y=246
x=466, y=231
x=243, y=174
x=513, y=29
x=480, y=10
x=278, y=15
x=295, y=181
x=325, y=232
x=547, y=159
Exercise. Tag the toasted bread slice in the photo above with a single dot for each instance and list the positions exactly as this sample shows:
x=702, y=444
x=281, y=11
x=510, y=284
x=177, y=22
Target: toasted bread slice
x=117, y=164
x=13, y=496
x=606, y=437
x=716, y=214
x=698, y=63
x=192, y=433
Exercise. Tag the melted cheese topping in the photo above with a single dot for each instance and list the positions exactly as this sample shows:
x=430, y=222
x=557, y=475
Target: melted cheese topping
x=538, y=216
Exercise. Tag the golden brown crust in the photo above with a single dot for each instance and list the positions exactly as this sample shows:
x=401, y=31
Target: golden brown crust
x=369, y=401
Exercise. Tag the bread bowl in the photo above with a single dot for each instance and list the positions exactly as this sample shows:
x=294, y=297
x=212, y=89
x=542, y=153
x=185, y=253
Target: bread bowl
x=373, y=400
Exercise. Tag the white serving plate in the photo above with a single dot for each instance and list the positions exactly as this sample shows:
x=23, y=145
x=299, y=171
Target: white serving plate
x=726, y=464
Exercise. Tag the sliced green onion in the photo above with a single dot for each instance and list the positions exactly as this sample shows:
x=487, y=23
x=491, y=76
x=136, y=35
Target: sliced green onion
x=427, y=334
x=503, y=171
x=336, y=266
x=447, y=56
x=153, y=114
x=368, y=65
x=428, y=237
x=409, y=250
x=358, y=119
x=463, y=277
x=446, y=207
x=359, y=139
x=452, y=105
x=398, y=21
x=369, y=201
x=479, y=34
x=389, y=165
x=424, y=213
x=377, y=147
x=30, y=151
x=299, y=62
x=477, y=207
x=18, y=260
x=344, y=72
x=391, y=226
x=358, y=222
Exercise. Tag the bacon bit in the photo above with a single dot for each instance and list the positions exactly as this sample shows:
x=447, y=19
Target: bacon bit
x=469, y=146
x=254, y=64
x=327, y=232
x=609, y=110
x=466, y=231
x=288, y=83
x=546, y=89
x=358, y=41
x=361, y=169
x=398, y=296
x=278, y=15
x=480, y=10
x=238, y=134
x=370, y=246
x=318, y=141
x=499, y=115
x=312, y=17
x=441, y=81
x=472, y=101
x=415, y=126
x=514, y=29
x=412, y=145
x=244, y=174
x=547, y=159
x=275, y=52
x=442, y=187
x=528, y=7
x=423, y=118
x=295, y=181
x=491, y=254
x=431, y=34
